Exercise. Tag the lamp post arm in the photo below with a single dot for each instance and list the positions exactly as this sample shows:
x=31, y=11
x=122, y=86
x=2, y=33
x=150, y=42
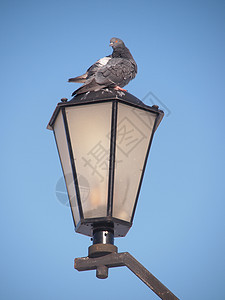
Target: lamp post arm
x=148, y=278
x=102, y=263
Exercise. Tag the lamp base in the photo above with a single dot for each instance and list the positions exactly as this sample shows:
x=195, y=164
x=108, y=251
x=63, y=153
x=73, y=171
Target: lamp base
x=98, y=250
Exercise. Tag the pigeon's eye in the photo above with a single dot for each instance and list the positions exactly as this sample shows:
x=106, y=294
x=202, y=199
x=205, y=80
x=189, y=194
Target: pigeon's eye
x=116, y=41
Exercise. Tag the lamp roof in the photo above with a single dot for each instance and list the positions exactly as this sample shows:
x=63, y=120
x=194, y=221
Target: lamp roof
x=103, y=96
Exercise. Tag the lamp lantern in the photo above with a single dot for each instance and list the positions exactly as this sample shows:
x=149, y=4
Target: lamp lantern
x=103, y=140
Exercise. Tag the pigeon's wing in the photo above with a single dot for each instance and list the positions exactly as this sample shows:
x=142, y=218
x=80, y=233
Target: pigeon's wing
x=89, y=85
x=96, y=66
x=118, y=71
x=91, y=71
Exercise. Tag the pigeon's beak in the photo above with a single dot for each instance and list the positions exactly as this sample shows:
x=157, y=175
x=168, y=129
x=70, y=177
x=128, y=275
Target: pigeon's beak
x=111, y=44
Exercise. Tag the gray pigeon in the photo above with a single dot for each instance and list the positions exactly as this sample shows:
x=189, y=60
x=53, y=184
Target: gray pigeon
x=113, y=71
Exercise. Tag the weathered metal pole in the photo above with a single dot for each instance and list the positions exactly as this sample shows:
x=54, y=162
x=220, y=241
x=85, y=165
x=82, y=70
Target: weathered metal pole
x=114, y=259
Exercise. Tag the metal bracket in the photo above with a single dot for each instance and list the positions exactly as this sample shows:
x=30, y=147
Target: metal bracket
x=114, y=259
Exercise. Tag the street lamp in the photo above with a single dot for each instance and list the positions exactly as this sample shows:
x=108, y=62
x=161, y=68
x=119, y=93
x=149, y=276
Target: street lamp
x=103, y=140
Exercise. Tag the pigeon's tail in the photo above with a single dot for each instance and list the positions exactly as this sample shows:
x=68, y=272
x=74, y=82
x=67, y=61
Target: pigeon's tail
x=79, y=79
x=91, y=86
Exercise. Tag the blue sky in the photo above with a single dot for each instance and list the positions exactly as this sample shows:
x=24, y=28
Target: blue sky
x=178, y=232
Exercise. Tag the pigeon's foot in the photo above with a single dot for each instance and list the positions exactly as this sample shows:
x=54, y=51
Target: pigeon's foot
x=118, y=88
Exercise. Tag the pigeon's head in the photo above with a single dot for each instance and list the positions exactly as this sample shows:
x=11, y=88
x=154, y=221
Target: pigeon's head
x=115, y=42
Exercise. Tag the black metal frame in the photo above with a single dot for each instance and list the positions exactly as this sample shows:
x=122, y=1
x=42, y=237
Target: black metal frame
x=120, y=227
x=145, y=163
x=112, y=157
x=65, y=181
x=72, y=161
x=86, y=226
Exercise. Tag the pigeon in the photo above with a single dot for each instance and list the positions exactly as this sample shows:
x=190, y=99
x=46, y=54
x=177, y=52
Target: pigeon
x=112, y=71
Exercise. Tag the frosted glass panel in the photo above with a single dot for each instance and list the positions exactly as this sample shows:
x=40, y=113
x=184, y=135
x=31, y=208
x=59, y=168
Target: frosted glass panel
x=89, y=128
x=61, y=141
x=134, y=129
